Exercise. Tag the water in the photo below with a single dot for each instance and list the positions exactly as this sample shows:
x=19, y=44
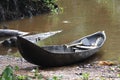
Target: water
x=80, y=18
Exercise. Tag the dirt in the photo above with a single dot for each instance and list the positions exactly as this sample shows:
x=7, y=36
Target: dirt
x=94, y=71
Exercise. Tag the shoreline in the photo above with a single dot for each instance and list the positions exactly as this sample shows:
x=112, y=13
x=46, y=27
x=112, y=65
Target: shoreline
x=93, y=70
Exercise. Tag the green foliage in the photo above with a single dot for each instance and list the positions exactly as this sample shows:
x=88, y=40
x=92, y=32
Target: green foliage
x=56, y=78
x=16, y=68
x=52, y=5
x=85, y=76
x=50, y=1
x=21, y=77
x=8, y=74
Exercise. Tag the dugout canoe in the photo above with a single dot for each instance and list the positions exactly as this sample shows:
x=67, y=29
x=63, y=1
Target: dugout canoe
x=60, y=55
x=11, y=32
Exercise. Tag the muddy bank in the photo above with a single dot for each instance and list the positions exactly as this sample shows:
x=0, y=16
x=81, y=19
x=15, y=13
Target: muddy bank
x=72, y=72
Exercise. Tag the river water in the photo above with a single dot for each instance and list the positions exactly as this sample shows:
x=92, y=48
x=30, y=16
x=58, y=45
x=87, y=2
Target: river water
x=79, y=18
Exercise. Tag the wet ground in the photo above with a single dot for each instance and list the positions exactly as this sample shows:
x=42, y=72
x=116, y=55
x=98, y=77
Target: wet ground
x=94, y=70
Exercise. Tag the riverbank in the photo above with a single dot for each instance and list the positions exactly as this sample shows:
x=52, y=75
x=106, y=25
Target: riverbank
x=17, y=9
x=92, y=71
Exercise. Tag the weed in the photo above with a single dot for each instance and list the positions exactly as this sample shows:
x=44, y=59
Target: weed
x=8, y=74
x=85, y=76
x=55, y=78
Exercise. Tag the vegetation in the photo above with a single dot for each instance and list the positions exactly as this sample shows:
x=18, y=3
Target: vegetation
x=52, y=6
x=85, y=76
x=16, y=9
x=8, y=74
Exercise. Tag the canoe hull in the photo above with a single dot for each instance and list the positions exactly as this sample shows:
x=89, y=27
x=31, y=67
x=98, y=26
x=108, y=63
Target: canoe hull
x=42, y=57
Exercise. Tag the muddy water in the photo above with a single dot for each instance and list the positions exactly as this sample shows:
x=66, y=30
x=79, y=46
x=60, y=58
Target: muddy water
x=79, y=18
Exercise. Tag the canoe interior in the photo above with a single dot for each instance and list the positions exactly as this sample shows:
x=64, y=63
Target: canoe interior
x=63, y=49
x=60, y=49
x=92, y=39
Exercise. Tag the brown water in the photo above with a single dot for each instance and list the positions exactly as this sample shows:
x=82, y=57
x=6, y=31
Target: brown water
x=79, y=18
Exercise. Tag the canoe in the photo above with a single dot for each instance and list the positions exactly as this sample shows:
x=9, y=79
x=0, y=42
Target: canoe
x=11, y=42
x=61, y=55
x=11, y=32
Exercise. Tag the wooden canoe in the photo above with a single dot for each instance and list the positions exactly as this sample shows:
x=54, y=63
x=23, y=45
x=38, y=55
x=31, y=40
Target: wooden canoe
x=11, y=32
x=60, y=55
x=11, y=42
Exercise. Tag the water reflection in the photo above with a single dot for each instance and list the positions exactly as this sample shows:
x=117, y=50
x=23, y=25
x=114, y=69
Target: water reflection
x=80, y=18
